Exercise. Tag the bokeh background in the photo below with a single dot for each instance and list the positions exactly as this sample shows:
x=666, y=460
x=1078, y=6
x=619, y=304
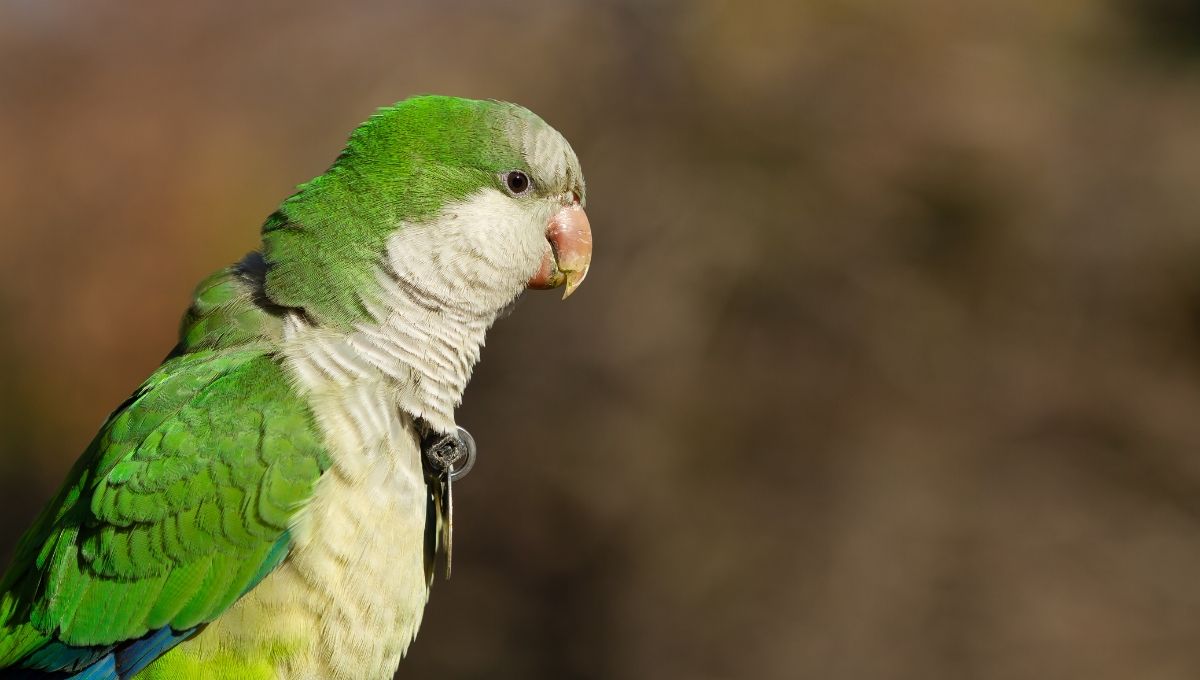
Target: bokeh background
x=888, y=366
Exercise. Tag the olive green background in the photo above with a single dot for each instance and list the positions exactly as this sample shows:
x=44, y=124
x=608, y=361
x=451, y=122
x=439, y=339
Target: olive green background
x=889, y=361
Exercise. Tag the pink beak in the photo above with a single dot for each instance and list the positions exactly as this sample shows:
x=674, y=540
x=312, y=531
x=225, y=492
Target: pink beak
x=568, y=253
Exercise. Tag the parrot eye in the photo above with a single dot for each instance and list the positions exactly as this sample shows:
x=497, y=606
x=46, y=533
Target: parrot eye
x=517, y=182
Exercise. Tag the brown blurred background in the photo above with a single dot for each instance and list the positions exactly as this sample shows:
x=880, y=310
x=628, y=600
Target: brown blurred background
x=889, y=365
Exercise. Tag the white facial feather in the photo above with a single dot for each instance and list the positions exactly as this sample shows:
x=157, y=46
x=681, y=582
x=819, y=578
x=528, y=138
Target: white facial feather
x=479, y=252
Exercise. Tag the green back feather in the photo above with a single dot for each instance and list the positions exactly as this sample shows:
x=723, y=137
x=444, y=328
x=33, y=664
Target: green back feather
x=181, y=502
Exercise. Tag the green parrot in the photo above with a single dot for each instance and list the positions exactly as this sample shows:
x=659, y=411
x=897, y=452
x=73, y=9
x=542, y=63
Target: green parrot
x=260, y=506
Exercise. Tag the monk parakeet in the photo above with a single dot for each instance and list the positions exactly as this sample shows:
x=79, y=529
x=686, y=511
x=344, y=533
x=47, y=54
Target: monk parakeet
x=261, y=507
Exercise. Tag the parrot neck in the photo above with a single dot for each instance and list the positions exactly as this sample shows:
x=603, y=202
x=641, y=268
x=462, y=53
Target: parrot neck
x=426, y=329
x=424, y=366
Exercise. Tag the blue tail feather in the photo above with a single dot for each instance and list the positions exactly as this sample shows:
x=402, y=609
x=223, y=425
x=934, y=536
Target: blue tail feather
x=58, y=661
x=104, y=669
x=136, y=655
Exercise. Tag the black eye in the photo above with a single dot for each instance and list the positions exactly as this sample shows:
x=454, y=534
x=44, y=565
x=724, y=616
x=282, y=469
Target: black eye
x=517, y=182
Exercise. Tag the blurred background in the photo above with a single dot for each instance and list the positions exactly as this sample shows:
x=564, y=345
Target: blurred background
x=888, y=365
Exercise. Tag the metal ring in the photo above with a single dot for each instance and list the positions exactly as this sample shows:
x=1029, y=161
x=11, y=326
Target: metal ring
x=468, y=443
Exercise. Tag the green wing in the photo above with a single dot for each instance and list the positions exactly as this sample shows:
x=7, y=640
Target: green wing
x=180, y=505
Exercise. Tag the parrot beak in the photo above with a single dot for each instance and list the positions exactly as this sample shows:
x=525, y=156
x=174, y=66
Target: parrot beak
x=568, y=253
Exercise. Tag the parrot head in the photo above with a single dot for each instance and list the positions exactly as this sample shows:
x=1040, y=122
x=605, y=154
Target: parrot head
x=470, y=202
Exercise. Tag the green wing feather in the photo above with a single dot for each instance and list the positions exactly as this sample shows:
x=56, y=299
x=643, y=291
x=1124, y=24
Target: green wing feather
x=179, y=505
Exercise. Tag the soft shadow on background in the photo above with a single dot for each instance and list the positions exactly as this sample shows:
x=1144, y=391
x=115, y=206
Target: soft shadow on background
x=888, y=366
